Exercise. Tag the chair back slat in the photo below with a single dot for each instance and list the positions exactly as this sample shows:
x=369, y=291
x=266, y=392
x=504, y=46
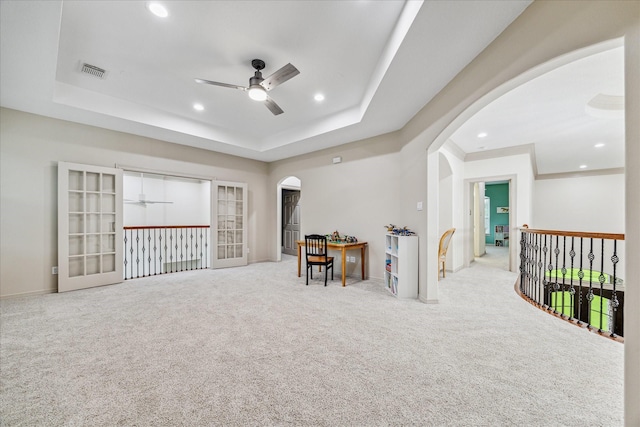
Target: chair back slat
x=315, y=245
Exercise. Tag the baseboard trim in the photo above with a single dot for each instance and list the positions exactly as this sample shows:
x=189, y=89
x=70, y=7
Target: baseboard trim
x=28, y=294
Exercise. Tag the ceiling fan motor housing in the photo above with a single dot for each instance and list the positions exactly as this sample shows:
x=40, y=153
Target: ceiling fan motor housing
x=258, y=64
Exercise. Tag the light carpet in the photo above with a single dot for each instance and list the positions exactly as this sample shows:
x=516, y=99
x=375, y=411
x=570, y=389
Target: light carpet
x=254, y=346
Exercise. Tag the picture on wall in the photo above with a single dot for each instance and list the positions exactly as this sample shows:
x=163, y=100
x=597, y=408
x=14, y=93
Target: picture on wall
x=502, y=209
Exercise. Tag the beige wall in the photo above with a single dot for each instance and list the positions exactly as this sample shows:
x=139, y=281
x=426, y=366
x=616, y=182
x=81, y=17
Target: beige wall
x=31, y=146
x=357, y=197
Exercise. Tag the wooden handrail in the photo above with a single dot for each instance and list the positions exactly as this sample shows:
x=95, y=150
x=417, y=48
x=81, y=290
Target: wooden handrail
x=611, y=236
x=141, y=227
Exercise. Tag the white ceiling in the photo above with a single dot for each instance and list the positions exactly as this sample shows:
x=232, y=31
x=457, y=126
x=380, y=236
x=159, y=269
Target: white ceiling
x=377, y=63
x=550, y=112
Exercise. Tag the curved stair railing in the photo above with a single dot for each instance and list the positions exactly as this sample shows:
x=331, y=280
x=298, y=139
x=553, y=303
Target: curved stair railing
x=575, y=276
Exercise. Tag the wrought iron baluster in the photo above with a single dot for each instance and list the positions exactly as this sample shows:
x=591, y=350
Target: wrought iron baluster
x=125, y=254
x=590, y=295
x=155, y=253
x=580, y=277
x=181, y=266
x=206, y=246
x=548, y=267
x=601, y=280
x=137, y=253
x=144, y=252
x=556, y=285
x=191, y=259
x=572, y=290
x=614, y=297
x=162, y=266
x=171, y=250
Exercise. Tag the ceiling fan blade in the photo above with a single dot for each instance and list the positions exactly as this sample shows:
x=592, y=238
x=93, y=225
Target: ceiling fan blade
x=279, y=77
x=272, y=106
x=209, y=82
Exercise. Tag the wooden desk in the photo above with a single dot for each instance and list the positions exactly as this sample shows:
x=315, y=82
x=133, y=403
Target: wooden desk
x=343, y=247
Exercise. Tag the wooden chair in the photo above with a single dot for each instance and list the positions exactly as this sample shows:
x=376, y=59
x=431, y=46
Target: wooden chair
x=442, y=251
x=316, y=254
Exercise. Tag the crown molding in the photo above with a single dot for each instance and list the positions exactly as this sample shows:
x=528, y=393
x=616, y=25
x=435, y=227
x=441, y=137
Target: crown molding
x=581, y=174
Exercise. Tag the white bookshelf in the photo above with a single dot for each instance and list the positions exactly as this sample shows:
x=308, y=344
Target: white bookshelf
x=401, y=271
x=501, y=235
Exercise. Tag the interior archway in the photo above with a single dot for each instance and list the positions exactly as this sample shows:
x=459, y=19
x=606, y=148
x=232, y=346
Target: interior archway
x=521, y=180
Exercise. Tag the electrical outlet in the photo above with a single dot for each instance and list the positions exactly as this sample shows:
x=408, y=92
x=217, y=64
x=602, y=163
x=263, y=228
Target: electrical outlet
x=54, y=270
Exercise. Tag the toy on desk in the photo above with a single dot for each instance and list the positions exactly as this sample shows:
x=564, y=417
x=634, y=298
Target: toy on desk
x=404, y=231
x=336, y=238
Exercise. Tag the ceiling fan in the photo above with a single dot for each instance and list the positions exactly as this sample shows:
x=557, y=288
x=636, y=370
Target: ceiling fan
x=258, y=86
x=142, y=198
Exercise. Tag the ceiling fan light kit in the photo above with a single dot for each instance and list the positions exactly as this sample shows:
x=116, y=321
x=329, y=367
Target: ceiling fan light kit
x=257, y=93
x=258, y=86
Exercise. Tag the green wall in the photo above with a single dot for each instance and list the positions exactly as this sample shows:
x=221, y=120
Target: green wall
x=499, y=194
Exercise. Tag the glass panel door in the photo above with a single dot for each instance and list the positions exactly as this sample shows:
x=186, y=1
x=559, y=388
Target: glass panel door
x=89, y=226
x=229, y=210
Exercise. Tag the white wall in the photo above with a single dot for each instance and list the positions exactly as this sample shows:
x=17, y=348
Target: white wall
x=587, y=203
x=455, y=255
x=30, y=148
x=190, y=200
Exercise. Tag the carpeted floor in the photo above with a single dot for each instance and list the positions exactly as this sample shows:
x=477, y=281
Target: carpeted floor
x=254, y=346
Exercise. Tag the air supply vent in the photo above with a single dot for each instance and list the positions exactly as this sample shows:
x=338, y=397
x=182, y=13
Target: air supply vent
x=93, y=71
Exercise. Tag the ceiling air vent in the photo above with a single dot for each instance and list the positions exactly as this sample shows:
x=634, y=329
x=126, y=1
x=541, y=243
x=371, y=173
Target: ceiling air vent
x=93, y=71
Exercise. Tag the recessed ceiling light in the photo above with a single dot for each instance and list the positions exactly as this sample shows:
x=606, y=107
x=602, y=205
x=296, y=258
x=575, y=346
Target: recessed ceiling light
x=482, y=135
x=583, y=166
x=319, y=97
x=157, y=9
x=599, y=145
x=198, y=107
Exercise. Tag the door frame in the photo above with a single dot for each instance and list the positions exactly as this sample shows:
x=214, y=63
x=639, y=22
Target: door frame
x=468, y=197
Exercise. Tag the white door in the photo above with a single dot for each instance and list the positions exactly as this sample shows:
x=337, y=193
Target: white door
x=89, y=226
x=230, y=223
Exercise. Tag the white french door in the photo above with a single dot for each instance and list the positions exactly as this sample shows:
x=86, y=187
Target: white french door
x=89, y=226
x=229, y=200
